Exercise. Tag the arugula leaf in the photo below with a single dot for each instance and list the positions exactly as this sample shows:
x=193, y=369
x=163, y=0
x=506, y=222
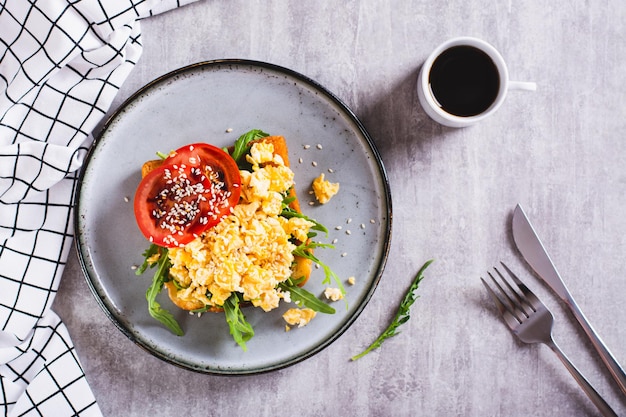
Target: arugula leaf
x=160, y=276
x=241, y=144
x=200, y=310
x=288, y=199
x=304, y=252
x=240, y=329
x=304, y=298
x=402, y=315
x=147, y=254
x=288, y=213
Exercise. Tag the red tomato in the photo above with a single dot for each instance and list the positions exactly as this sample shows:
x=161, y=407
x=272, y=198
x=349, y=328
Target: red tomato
x=194, y=188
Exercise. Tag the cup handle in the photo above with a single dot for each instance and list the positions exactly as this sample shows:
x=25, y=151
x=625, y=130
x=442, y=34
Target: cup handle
x=522, y=85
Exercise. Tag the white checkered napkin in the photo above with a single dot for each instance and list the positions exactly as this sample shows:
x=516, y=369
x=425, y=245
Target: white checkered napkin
x=61, y=64
x=46, y=378
x=61, y=69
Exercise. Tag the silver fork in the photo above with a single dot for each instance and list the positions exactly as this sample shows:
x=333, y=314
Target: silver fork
x=531, y=321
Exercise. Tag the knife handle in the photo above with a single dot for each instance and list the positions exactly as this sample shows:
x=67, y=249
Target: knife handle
x=614, y=367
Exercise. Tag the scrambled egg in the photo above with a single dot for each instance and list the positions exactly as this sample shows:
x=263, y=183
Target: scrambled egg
x=324, y=190
x=249, y=251
x=299, y=316
x=333, y=294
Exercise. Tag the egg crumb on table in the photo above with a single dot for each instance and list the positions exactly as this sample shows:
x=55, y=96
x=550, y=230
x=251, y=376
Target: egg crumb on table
x=324, y=190
x=250, y=250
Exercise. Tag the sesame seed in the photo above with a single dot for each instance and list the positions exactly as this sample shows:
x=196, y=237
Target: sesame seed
x=314, y=163
x=372, y=221
x=362, y=226
x=311, y=203
x=300, y=160
x=349, y=221
x=230, y=129
x=319, y=146
x=126, y=199
x=178, y=205
x=307, y=146
x=334, y=241
x=348, y=232
x=134, y=267
x=338, y=228
x=331, y=170
x=343, y=255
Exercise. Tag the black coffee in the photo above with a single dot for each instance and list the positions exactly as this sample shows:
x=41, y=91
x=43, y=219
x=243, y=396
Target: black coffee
x=464, y=81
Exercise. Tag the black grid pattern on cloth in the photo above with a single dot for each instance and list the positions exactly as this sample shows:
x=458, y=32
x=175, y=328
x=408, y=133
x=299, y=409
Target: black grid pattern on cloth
x=50, y=369
x=61, y=65
x=32, y=263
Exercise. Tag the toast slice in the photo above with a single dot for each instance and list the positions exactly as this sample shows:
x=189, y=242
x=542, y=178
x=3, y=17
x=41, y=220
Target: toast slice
x=301, y=268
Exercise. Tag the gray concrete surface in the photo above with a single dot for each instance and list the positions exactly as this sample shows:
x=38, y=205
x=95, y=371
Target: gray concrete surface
x=559, y=151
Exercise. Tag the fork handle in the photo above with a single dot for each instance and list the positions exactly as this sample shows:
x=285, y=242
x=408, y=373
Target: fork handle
x=593, y=395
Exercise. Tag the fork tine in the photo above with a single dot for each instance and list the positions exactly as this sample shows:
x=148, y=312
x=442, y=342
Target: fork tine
x=520, y=301
x=529, y=297
x=511, y=305
x=493, y=296
x=505, y=311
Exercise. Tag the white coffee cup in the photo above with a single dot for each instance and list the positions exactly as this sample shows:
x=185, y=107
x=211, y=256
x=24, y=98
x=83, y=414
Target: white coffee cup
x=440, y=112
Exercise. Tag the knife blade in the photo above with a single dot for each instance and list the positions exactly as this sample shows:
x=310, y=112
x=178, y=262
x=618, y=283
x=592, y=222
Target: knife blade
x=535, y=254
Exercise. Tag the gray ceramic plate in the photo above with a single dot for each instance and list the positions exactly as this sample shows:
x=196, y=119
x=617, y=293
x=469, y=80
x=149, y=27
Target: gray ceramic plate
x=202, y=102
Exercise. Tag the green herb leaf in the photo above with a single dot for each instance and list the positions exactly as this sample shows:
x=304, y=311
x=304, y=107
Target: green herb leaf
x=288, y=213
x=147, y=254
x=402, y=315
x=160, y=277
x=303, y=251
x=288, y=199
x=200, y=310
x=240, y=329
x=304, y=298
x=241, y=144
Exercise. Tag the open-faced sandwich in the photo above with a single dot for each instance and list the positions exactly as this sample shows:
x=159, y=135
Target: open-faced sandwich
x=226, y=231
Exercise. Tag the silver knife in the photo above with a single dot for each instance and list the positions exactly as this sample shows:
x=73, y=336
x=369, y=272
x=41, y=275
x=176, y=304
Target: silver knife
x=535, y=254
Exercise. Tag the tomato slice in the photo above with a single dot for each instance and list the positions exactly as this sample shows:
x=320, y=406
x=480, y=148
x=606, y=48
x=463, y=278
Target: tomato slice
x=194, y=188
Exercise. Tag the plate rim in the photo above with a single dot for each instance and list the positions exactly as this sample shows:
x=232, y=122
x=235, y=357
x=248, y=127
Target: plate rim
x=377, y=273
